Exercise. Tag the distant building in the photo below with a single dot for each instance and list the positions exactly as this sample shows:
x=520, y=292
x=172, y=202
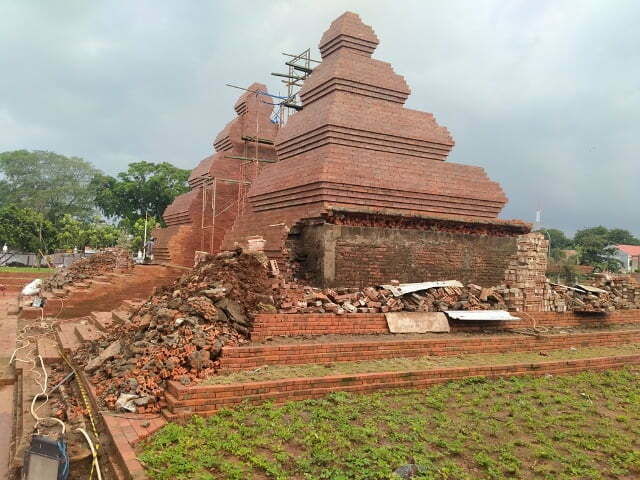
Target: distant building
x=629, y=255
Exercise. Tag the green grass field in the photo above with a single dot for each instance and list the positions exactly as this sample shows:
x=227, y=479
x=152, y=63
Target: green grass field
x=584, y=426
x=26, y=270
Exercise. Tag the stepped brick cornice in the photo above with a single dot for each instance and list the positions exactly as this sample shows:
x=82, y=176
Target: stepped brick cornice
x=353, y=73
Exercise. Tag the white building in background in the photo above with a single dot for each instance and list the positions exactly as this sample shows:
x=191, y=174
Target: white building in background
x=629, y=255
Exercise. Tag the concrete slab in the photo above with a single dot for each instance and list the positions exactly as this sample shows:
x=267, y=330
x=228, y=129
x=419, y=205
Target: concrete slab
x=417, y=322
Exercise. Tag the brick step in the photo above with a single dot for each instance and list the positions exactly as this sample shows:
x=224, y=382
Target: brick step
x=60, y=292
x=207, y=399
x=87, y=333
x=282, y=324
x=102, y=320
x=7, y=372
x=16, y=281
x=83, y=285
x=29, y=313
x=130, y=305
x=48, y=350
x=67, y=338
x=252, y=356
x=120, y=316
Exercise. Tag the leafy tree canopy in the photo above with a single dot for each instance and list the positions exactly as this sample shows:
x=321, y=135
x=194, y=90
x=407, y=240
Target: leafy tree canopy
x=74, y=233
x=47, y=182
x=618, y=236
x=144, y=188
x=25, y=229
x=557, y=239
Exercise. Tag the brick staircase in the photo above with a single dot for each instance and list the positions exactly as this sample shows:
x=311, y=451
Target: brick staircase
x=347, y=338
x=251, y=357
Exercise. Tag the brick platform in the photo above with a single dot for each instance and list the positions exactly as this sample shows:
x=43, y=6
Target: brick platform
x=249, y=357
x=272, y=325
x=354, y=146
x=207, y=399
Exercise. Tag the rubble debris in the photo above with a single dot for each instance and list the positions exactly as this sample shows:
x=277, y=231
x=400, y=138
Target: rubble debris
x=178, y=334
x=303, y=299
x=109, y=260
x=108, y=353
x=608, y=293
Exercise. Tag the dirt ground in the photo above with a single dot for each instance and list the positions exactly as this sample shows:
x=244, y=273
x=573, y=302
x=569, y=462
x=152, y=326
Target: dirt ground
x=138, y=286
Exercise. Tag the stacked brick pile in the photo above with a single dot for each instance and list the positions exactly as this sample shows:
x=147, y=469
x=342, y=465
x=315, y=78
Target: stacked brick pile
x=106, y=261
x=624, y=288
x=525, y=277
x=615, y=293
x=179, y=332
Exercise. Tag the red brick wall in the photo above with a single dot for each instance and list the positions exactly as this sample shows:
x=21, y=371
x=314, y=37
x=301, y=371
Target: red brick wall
x=414, y=256
x=248, y=357
x=269, y=325
x=341, y=255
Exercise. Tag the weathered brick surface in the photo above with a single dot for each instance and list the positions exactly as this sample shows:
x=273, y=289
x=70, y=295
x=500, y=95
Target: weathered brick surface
x=339, y=255
x=249, y=357
x=207, y=399
x=270, y=325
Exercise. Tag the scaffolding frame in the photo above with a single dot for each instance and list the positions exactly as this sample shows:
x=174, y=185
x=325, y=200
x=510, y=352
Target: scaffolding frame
x=211, y=185
x=299, y=69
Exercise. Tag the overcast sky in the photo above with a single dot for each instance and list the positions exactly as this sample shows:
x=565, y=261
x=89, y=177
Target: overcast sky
x=545, y=95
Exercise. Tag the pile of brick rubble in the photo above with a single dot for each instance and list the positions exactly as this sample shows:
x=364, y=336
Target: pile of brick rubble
x=179, y=332
x=109, y=260
x=607, y=294
x=303, y=299
x=610, y=293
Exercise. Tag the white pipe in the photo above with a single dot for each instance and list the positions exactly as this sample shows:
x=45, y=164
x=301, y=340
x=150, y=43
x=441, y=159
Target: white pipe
x=93, y=451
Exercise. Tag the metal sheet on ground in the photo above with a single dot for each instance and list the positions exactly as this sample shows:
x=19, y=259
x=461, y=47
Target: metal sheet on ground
x=481, y=315
x=417, y=322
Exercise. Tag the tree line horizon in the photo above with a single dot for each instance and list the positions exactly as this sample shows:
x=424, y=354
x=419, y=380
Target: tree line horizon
x=52, y=202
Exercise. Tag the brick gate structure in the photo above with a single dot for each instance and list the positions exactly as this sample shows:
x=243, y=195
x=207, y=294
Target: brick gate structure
x=361, y=192
x=219, y=183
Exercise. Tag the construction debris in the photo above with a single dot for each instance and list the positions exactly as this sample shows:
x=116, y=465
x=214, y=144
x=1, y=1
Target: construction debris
x=179, y=332
x=383, y=299
x=609, y=293
x=109, y=260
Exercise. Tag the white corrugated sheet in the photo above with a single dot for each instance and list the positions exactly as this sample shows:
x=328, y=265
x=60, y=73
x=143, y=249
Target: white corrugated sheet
x=481, y=315
x=405, y=288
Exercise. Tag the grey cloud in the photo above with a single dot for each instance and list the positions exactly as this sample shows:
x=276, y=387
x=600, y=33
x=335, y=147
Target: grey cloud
x=544, y=95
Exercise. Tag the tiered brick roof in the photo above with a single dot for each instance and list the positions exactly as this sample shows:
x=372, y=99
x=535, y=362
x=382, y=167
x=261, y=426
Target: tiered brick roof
x=354, y=145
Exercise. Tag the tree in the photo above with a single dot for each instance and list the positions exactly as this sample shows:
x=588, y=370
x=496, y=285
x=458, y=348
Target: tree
x=145, y=188
x=25, y=229
x=73, y=233
x=595, y=248
x=557, y=238
x=618, y=236
x=137, y=230
x=46, y=182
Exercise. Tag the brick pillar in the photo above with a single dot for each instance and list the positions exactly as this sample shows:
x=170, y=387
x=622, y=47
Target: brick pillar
x=525, y=276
